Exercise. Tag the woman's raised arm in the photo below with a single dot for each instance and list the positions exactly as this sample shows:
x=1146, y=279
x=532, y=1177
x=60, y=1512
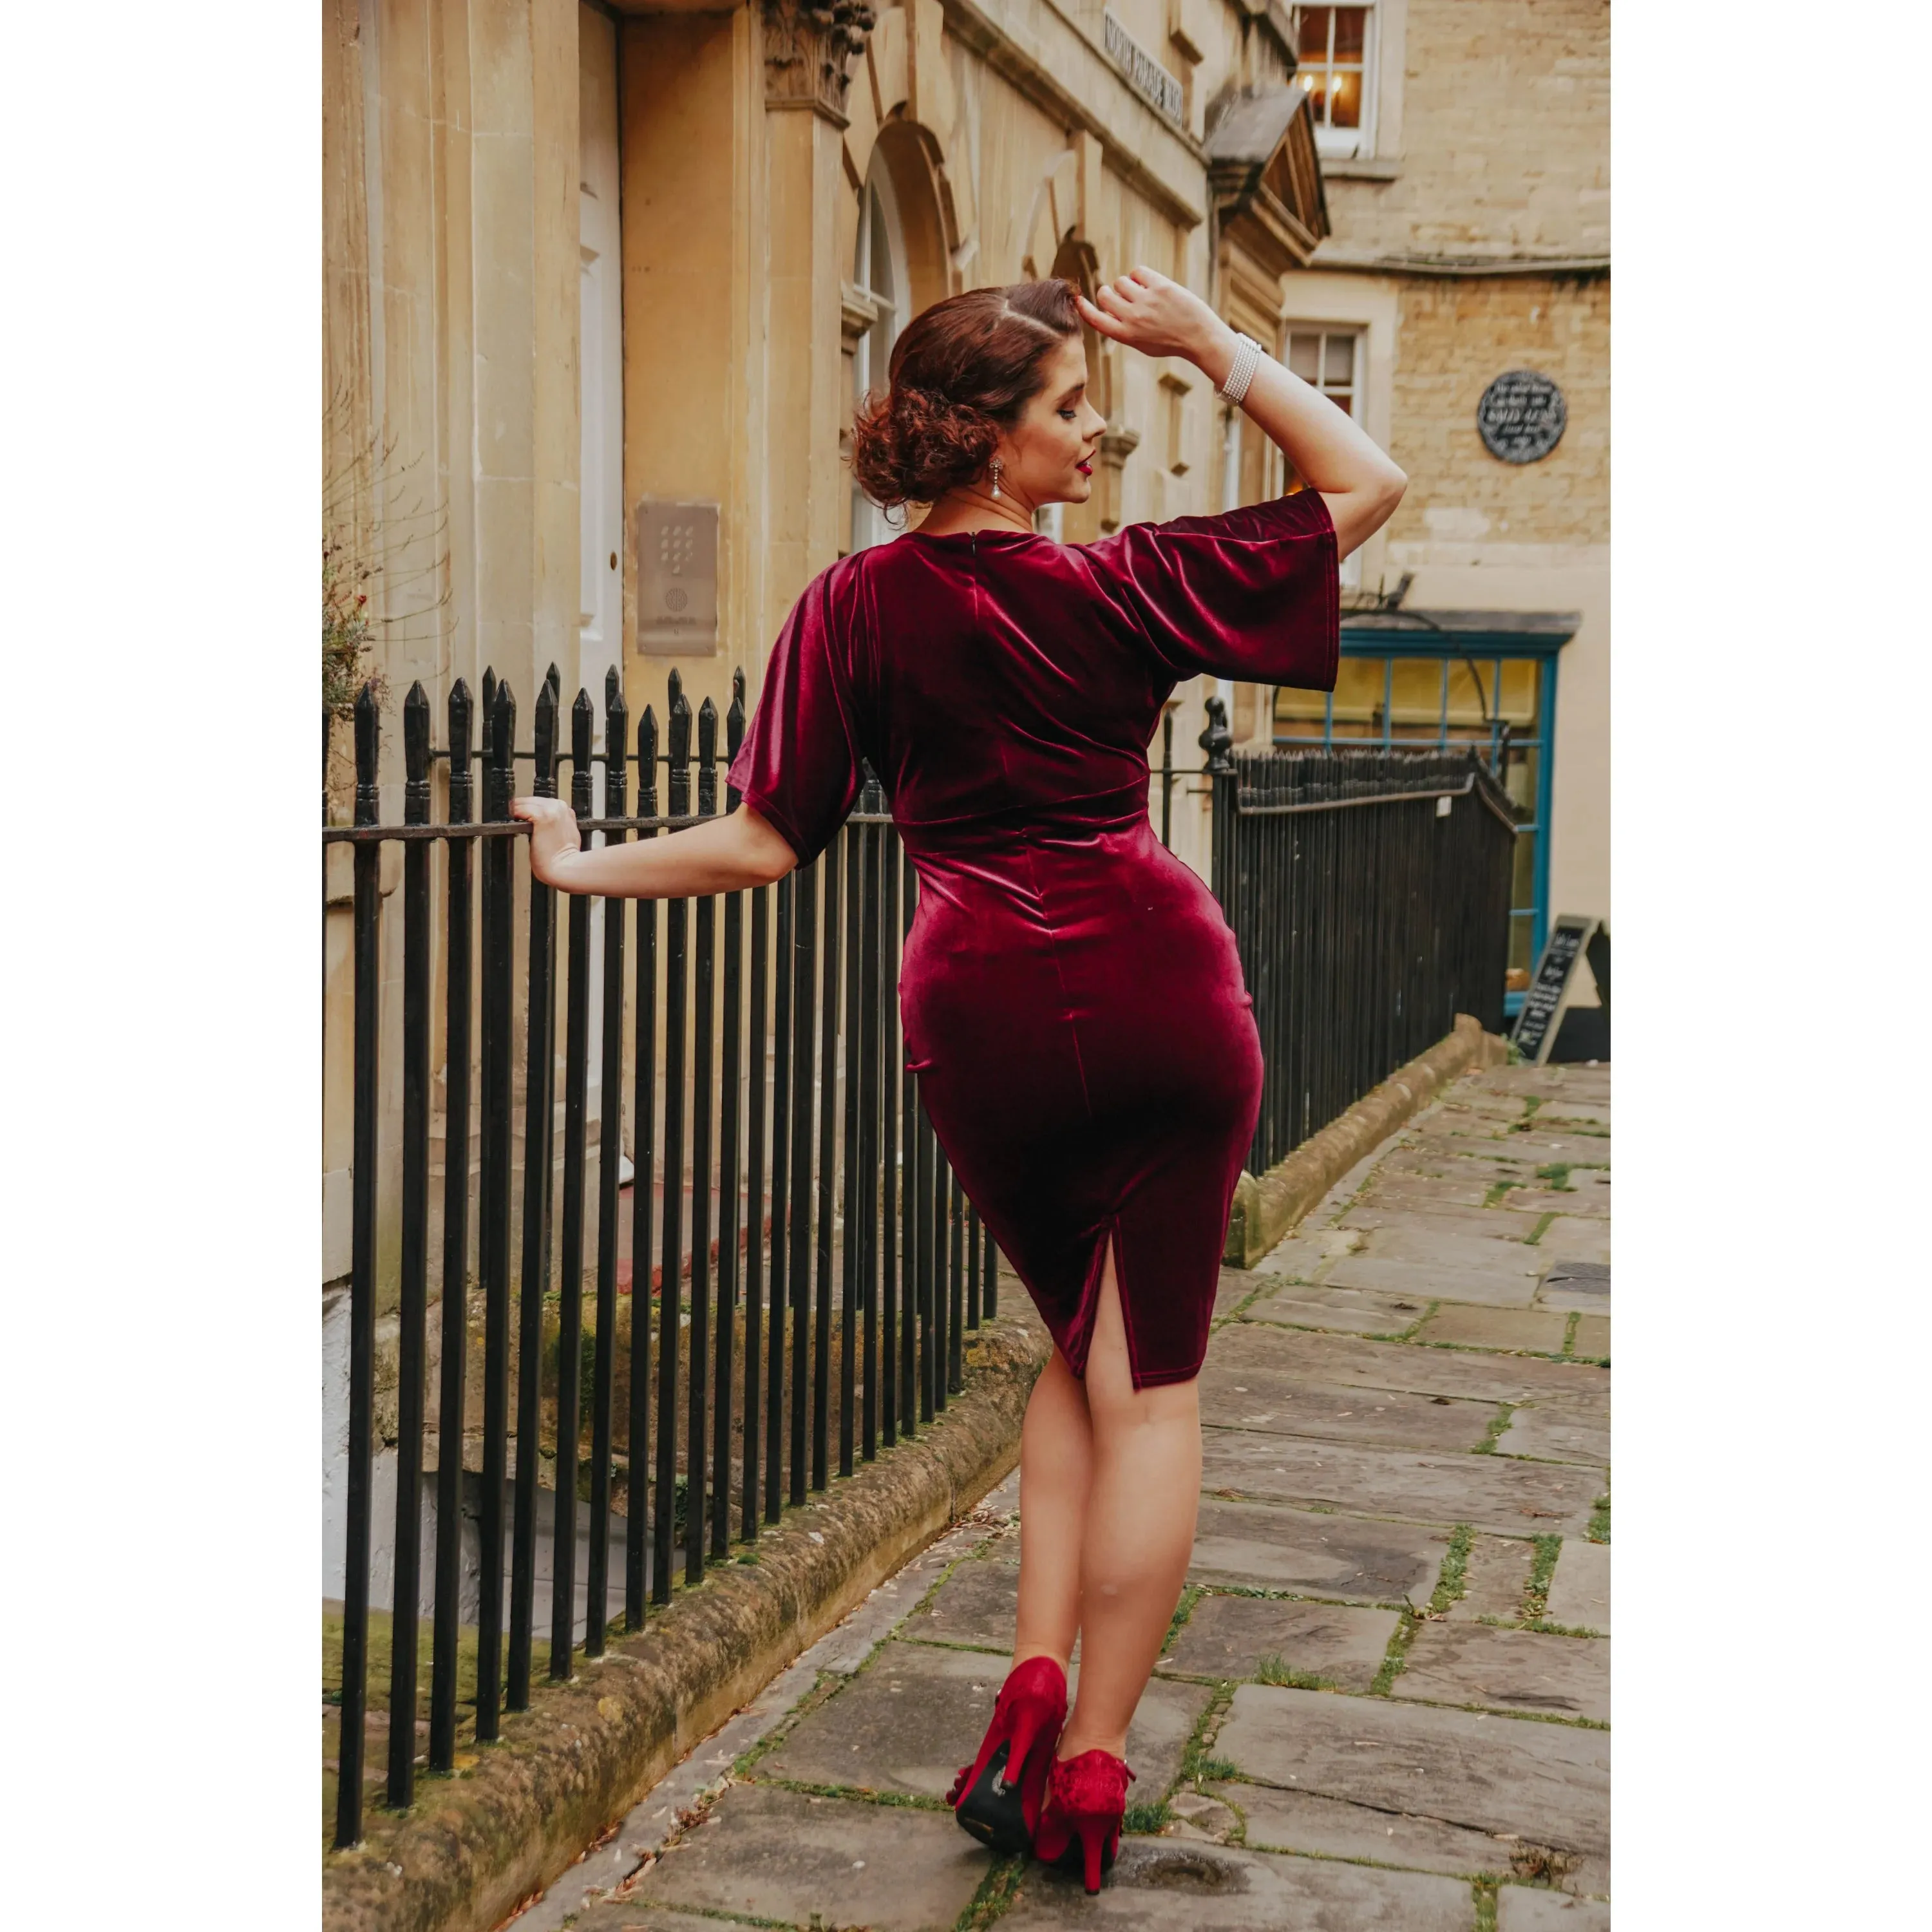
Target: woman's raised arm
x=1330, y=451
x=720, y=855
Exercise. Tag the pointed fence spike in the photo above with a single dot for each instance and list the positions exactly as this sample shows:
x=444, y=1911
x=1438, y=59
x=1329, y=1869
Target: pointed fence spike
x=707, y=759
x=647, y=764
x=545, y=786
x=460, y=793
x=368, y=749
x=617, y=739
x=583, y=725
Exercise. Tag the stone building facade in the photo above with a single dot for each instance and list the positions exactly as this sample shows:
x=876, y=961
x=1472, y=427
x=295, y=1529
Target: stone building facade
x=602, y=282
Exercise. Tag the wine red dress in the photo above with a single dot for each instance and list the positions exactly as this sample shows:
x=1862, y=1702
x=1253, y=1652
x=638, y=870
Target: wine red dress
x=1072, y=998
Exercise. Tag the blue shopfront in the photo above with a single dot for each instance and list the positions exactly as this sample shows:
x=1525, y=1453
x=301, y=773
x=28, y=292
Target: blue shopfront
x=1488, y=678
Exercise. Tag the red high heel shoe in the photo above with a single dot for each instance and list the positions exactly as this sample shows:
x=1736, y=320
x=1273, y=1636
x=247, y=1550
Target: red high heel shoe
x=997, y=1798
x=1086, y=1801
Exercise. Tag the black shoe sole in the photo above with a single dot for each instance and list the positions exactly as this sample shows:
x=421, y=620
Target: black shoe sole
x=991, y=1813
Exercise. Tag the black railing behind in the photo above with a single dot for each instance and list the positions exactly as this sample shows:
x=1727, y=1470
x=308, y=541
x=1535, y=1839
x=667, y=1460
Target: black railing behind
x=1369, y=893
x=823, y=1217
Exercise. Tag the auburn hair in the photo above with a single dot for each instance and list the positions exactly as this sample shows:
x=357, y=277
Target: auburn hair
x=962, y=371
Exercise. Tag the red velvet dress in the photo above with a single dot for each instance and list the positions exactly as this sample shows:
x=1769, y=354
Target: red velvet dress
x=1072, y=998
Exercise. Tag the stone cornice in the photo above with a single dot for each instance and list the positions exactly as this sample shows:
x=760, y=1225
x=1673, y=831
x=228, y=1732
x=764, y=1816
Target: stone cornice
x=809, y=48
x=1049, y=60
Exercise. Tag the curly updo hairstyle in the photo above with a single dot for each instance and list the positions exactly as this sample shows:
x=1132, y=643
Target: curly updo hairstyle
x=962, y=371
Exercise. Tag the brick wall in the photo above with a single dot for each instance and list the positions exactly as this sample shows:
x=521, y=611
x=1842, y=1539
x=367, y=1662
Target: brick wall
x=1455, y=337
x=1505, y=135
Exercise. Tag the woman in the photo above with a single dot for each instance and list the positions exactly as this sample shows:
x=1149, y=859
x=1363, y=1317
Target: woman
x=1071, y=997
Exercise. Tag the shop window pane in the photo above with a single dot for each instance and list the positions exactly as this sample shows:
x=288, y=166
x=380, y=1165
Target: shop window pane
x=1519, y=683
x=1520, y=770
x=1304, y=357
x=1358, y=694
x=1315, y=31
x=1345, y=100
x=1520, y=935
x=1523, y=891
x=1350, y=32
x=1304, y=710
x=1417, y=692
x=1340, y=357
x=1472, y=697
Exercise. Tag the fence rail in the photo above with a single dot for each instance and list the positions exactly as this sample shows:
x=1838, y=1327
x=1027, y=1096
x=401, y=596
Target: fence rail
x=1368, y=894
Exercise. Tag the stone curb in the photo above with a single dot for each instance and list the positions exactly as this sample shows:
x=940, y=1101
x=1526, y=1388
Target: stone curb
x=474, y=1847
x=1265, y=1208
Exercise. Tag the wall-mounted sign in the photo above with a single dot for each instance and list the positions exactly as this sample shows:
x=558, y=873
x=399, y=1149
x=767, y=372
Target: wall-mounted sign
x=677, y=578
x=1521, y=416
x=1142, y=72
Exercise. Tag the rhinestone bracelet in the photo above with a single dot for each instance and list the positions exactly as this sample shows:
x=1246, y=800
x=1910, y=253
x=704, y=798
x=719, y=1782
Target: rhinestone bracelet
x=1247, y=358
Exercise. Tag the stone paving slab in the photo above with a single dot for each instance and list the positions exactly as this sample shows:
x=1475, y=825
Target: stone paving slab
x=976, y=1605
x=1233, y=1287
x=1592, y=1337
x=1520, y=1909
x=1425, y=1193
x=1541, y=1330
x=1496, y=1253
x=1450, y=1219
x=906, y=1724
x=1364, y=1364
x=1303, y=1821
x=626, y=1915
x=1306, y=1254
x=1579, y=1591
x=1228, y=1636
x=1237, y=1389
x=772, y=1854
x=1508, y=1670
x=1263, y=1546
x=1576, y=1237
x=1159, y=1884
x=1495, y=1574
x=1346, y=1309
x=1556, y=1435
x=1444, y=1158
x=1500, y=1286
x=1584, y=1202
x=1497, y=1493
x=1547, y=1783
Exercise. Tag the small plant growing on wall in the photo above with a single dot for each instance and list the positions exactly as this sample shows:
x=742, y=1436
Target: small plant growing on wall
x=346, y=640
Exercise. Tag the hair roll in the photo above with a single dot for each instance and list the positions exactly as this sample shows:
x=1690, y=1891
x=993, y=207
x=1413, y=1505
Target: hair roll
x=962, y=371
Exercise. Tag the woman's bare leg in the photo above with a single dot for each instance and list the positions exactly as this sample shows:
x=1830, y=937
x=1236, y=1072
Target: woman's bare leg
x=1056, y=1473
x=1139, y=1533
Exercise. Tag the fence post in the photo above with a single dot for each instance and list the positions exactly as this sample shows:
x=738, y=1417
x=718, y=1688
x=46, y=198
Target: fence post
x=455, y=1249
x=644, y=1141
x=411, y=1340
x=492, y=1220
x=362, y=1283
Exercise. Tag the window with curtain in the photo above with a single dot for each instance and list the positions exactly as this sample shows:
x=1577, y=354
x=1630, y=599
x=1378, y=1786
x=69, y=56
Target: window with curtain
x=1335, y=53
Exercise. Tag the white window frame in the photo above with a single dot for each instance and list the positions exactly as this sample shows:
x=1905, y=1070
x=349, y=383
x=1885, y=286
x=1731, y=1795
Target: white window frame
x=872, y=354
x=1350, y=143
x=1357, y=335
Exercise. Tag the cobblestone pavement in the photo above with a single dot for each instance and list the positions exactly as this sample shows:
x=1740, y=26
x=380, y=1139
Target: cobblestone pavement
x=1384, y=1706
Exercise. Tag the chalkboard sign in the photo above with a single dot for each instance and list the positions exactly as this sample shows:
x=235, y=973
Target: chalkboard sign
x=1521, y=416
x=1549, y=992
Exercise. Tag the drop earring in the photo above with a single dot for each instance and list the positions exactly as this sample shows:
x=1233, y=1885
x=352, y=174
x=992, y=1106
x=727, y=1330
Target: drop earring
x=994, y=470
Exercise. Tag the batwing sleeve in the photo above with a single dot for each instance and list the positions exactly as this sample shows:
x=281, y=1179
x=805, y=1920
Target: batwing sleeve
x=1254, y=594
x=799, y=765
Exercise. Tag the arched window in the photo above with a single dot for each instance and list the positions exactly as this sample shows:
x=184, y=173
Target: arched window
x=879, y=273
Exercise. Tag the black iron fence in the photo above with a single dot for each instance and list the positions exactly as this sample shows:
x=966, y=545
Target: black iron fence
x=825, y=1226
x=819, y=1285
x=1369, y=894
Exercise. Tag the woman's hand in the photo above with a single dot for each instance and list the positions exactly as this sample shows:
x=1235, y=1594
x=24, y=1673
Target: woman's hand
x=553, y=837
x=1159, y=317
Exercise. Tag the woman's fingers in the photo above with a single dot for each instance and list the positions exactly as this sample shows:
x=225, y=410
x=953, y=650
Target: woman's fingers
x=1098, y=319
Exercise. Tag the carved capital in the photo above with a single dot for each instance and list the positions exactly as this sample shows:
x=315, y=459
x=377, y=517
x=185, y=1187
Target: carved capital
x=809, y=46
